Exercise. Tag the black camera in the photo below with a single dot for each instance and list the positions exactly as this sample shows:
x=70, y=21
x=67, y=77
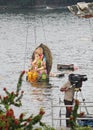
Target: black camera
x=77, y=79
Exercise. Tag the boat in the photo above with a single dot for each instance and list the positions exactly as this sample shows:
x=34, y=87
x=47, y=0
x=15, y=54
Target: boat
x=82, y=9
x=35, y=76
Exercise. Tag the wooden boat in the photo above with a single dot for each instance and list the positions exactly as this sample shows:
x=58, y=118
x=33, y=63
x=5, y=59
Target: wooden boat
x=70, y=67
x=65, y=67
x=82, y=9
x=34, y=76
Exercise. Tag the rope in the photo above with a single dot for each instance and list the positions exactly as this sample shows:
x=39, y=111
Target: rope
x=90, y=29
x=43, y=31
x=27, y=39
x=34, y=36
x=35, y=30
x=26, y=46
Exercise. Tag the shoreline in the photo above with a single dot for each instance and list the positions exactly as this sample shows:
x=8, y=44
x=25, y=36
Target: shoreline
x=32, y=7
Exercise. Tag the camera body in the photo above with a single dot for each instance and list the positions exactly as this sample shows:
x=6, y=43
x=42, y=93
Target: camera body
x=77, y=79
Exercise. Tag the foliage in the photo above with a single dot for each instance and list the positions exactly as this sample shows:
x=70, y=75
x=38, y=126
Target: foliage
x=84, y=128
x=8, y=120
x=73, y=118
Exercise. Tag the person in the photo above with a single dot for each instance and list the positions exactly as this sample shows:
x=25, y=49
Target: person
x=68, y=99
x=58, y=75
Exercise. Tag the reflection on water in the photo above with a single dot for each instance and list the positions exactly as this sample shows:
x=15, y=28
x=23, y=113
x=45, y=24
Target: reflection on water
x=69, y=39
x=41, y=84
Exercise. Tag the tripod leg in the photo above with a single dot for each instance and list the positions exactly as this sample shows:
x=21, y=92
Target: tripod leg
x=84, y=102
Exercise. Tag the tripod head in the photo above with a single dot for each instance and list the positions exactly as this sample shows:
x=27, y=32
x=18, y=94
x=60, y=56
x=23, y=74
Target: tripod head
x=77, y=89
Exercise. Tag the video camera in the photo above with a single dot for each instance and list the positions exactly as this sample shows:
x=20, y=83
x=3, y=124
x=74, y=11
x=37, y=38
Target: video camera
x=77, y=79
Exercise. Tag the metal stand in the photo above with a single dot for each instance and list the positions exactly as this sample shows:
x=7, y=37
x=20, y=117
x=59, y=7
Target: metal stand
x=83, y=99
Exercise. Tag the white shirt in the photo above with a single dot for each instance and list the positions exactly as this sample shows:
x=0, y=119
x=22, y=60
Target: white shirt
x=69, y=91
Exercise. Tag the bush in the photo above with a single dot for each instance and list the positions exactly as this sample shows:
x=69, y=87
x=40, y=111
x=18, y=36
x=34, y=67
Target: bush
x=8, y=120
x=73, y=118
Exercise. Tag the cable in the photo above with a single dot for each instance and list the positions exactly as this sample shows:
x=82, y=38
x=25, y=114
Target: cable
x=43, y=31
x=90, y=29
x=26, y=46
x=35, y=30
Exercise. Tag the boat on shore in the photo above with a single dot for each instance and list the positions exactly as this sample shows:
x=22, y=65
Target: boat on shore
x=82, y=9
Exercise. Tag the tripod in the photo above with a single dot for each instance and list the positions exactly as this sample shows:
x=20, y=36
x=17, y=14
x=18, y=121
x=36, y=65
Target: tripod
x=83, y=99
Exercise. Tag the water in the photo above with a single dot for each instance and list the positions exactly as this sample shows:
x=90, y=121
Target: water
x=70, y=40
